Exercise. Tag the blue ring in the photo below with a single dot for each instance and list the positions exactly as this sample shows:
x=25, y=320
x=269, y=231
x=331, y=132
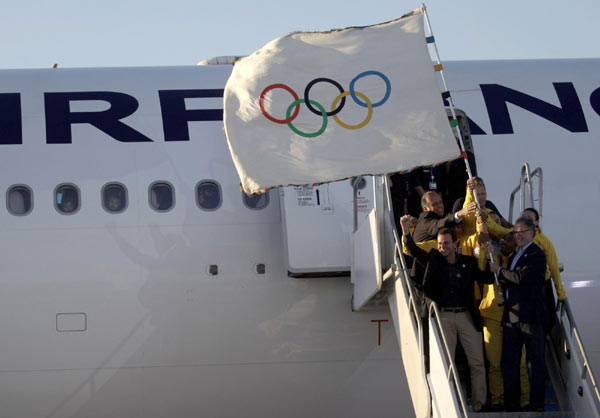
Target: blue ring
x=388, y=88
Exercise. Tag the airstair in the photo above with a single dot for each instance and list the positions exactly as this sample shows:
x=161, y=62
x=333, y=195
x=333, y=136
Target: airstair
x=379, y=268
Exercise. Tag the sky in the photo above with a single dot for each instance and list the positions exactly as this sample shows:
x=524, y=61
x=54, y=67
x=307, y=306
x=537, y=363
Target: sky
x=108, y=33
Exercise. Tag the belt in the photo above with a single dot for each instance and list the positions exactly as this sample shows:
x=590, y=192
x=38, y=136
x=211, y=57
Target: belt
x=455, y=310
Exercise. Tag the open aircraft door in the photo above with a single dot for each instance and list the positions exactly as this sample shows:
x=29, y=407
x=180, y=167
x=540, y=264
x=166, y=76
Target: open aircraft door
x=318, y=222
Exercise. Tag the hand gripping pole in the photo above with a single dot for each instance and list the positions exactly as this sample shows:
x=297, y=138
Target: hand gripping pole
x=454, y=122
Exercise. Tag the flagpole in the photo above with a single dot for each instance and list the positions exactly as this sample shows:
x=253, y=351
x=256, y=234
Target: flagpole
x=454, y=122
x=446, y=94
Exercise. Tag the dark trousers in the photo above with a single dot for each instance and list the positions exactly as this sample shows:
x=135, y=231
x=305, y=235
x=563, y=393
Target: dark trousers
x=550, y=306
x=513, y=338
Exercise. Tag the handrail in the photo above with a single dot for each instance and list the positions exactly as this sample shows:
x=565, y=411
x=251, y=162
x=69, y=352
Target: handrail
x=512, y=203
x=399, y=256
x=355, y=186
x=526, y=177
x=399, y=259
x=587, y=369
x=434, y=313
x=411, y=299
x=540, y=175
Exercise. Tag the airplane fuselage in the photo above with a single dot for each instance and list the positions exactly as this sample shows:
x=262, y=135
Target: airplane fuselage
x=124, y=314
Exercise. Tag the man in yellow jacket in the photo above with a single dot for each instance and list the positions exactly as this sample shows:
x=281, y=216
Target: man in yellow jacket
x=469, y=221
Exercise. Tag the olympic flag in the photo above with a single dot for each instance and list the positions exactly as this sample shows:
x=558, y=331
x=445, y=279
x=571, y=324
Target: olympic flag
x=314, y=107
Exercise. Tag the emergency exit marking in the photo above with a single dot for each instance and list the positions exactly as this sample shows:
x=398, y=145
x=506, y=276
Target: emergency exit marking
x=379, y=321
x=306, y=196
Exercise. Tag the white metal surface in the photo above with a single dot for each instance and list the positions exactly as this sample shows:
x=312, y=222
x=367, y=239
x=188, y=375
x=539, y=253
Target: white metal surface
x=318, y=224
x=410, y=340
x=405, y=312
x=581, y=386
x=164, y=338
x=366, y=261
x=443, y=395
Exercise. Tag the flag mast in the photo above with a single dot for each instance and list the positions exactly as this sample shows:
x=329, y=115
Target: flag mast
x=454, y=122
x=446, y=94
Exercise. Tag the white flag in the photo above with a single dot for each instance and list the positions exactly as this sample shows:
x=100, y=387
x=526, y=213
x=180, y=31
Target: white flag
x=316, y=107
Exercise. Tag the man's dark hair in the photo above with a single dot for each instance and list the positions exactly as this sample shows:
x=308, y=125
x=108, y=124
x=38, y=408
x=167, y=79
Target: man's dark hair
x=527, y=222
x=447, y=231
x=534, y=211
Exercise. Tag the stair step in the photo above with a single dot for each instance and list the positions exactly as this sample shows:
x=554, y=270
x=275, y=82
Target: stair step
x=545, y=414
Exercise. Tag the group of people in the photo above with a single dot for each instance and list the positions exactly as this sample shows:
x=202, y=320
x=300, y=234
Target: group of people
x=486, y=275
x=447, y=179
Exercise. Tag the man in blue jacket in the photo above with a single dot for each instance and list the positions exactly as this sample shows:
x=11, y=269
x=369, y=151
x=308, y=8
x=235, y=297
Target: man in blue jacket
x=524, y=316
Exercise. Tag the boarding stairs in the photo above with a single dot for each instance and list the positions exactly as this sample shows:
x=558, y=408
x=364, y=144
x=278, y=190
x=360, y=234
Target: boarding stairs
x=379, y=269
x=528, y=183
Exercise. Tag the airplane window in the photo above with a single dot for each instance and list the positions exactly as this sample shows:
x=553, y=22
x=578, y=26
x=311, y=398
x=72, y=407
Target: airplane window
x=256, y=201
x=162, y=196
x=19, y=200
x=114, y=197
x=208, y=195
x=66, y=199
x=361, y=185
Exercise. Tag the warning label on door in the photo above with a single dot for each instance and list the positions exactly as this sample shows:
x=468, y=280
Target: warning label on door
x=305, y=196
x=363, y=204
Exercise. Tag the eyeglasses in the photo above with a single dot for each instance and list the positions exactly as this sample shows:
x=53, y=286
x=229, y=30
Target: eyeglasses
x=522, y=231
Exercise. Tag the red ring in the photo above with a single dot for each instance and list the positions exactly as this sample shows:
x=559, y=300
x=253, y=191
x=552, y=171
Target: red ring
x=271, y=118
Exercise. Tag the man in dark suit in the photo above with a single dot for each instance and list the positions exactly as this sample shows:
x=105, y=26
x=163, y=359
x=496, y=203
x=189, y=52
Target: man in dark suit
x=449, y=281
x=432, y=219
x=524, y=316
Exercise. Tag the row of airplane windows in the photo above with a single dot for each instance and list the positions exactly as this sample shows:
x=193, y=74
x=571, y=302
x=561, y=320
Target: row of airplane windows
x=114, y=198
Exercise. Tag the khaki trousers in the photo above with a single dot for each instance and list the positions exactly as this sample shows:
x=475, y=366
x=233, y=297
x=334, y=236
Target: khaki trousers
x=460, y=326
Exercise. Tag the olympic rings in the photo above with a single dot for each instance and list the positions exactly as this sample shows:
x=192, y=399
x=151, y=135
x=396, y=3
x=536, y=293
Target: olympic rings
x=319, y=109
x=271, y=118
x=364, y=122
x=298, y=131
x=388, y=88
x=319, y=80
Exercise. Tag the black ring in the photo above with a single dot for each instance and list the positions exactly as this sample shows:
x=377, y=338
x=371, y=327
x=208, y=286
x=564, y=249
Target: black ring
x=316, y=111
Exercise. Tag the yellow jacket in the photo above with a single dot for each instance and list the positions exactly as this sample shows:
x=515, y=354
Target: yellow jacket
x=466, y=245
x=424, y=245
x=488, y=308
x=469, y=222
x=545, y=244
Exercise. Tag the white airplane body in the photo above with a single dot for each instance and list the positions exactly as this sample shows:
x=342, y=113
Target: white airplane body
x=122, y=314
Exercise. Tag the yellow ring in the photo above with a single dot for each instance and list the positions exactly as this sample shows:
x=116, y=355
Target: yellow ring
x=364, y=122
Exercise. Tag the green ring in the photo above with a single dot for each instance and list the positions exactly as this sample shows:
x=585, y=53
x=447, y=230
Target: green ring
x=299, y=132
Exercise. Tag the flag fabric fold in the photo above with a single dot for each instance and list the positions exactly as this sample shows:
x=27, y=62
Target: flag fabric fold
x=314, y=107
